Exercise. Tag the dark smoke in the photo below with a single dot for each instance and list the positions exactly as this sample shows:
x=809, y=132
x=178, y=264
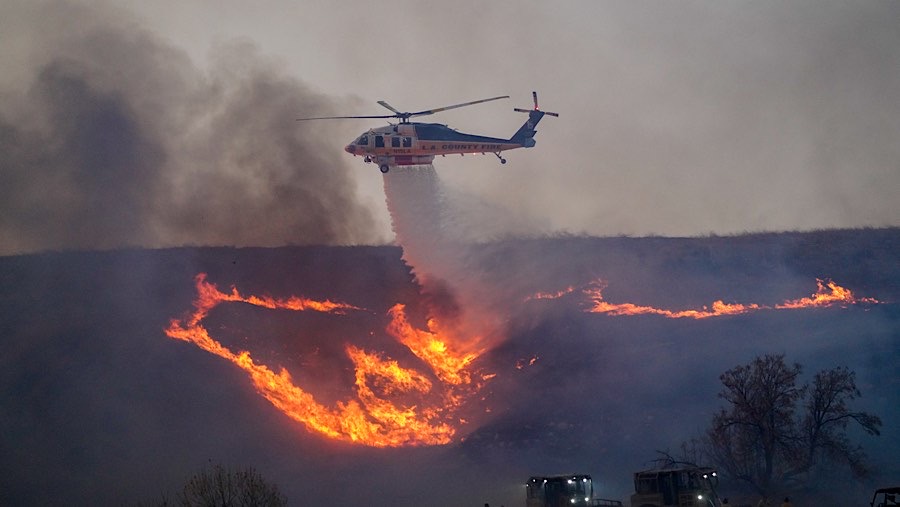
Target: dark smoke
x=110, y=138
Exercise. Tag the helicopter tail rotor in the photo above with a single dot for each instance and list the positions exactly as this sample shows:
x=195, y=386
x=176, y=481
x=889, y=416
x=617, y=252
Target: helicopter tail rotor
x=536, y=108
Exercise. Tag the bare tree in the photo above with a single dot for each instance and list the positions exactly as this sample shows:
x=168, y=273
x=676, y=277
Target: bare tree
x=221, y=487
x=826, y=419
x=773, y=432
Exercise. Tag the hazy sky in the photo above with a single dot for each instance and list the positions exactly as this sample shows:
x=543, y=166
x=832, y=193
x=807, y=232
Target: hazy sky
x=676, y=118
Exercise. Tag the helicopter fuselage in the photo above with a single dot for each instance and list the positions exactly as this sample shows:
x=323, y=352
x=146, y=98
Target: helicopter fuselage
x=418, y=143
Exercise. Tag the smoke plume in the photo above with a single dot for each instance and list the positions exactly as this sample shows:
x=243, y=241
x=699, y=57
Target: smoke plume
x=110, y=137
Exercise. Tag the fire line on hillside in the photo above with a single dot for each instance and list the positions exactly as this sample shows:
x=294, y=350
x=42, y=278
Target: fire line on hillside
x=369, y=419
x=827, y=294
x=378, y=419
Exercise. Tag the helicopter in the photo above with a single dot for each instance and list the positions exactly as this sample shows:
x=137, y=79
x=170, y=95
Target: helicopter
x=413, y=143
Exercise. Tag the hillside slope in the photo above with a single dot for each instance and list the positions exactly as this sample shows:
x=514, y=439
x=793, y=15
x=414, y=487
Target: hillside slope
x=97, y=403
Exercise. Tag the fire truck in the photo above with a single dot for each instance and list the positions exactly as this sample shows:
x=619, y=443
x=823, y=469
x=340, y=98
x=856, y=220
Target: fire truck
x=564, y=491
x=676, y=486
x=889, y=497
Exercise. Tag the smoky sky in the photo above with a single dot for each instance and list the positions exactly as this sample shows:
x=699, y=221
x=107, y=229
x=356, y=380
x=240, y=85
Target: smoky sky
x=693, y=117
x=111, y=137
x=676, y=119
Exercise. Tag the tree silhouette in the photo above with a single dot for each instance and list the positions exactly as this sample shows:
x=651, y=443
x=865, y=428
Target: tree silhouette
x=773, y=433
x=221, y=487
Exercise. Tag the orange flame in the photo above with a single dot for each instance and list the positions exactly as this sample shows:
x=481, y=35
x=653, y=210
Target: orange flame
x=719, y=308
x=522, y=363
x=370, y=419
x=552, y=295
x=448, y=365
x=823, y=297
x=833, y=295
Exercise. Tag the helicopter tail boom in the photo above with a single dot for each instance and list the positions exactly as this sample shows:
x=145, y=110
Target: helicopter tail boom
x=525, y=134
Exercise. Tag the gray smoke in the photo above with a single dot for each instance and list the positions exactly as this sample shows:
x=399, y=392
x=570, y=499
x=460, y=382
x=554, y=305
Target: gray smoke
x=110, y=137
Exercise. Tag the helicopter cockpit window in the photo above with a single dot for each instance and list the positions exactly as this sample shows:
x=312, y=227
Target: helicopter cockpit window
x=407, y=142
x=363, y=140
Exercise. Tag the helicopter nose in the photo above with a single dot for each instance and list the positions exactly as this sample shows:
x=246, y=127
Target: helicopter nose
x=350, y=148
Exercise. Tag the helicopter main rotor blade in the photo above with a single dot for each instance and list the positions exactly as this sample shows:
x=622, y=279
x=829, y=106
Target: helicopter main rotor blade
x=439, y=109
x=348, y=117
x=385, y=104
x=402, y=115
